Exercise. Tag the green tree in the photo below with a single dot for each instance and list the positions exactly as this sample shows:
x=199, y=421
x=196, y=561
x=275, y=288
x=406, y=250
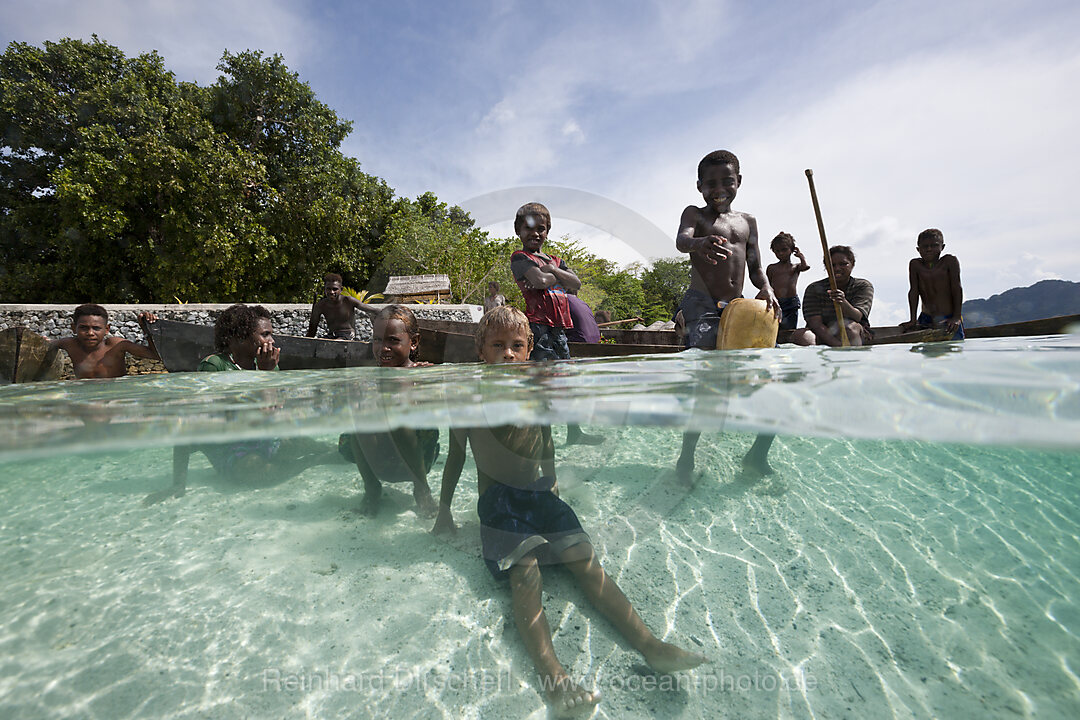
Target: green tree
x=426, y=237
x=664, y=283
x=119, y=184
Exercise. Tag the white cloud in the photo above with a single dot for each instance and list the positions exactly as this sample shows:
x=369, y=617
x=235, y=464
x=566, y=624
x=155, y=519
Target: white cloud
x=190, y=34
x=980, y=142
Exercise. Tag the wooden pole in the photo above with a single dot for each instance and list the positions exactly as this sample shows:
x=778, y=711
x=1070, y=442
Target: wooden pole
x=840, y=321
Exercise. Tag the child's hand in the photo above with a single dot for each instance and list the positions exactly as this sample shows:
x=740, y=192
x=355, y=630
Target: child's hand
x=444, y=523
x=266, y=356
x=712, y=249
x=769, y=297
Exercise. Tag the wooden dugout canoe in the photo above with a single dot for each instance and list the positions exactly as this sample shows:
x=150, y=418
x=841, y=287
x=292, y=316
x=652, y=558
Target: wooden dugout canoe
x=182, y=345
x=26, y=356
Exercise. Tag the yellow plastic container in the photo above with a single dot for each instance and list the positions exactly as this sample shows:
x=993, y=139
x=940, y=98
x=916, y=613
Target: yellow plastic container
x=747, y=324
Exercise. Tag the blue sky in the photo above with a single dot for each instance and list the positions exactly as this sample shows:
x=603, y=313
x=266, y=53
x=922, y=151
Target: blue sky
x=962, y=115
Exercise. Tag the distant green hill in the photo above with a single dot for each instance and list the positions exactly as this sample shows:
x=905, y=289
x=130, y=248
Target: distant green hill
x=1047, y=298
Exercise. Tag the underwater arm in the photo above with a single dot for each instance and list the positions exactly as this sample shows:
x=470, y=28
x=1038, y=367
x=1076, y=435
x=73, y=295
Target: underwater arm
x=547, y=456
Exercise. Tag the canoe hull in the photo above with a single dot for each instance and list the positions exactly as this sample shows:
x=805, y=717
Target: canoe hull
x=26, y=356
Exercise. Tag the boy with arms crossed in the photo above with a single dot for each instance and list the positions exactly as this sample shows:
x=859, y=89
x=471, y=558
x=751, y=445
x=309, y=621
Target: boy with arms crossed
x=935, y=278
x=544, y=281
x=524, y=524
x=722, y=245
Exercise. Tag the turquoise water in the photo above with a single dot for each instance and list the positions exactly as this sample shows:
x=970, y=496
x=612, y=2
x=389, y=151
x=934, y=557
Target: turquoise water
x=915, y=553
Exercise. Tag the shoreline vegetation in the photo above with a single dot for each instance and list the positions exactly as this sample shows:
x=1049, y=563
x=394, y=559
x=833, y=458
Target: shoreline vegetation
x=237, y=191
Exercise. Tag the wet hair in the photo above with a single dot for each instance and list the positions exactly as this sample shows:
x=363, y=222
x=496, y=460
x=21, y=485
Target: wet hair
x=931, y=234
x=504, y=317
x=782, y=237
x=332, y=278
x=717, y=157
x=532, y=209
x=844, y=250
x=402, y=313
x=90, y=309
x=237, y=322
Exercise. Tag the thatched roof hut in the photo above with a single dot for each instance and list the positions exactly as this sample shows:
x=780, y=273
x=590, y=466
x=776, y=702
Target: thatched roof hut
x=417, y=288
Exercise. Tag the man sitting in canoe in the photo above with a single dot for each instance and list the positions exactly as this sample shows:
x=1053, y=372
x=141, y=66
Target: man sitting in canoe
x=338, y=309
x=854, y=296
x=96, y=354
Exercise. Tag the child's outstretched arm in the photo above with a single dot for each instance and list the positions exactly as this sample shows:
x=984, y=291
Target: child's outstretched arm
x=757, y=274
x=912, y=296
x=313, y=321
x=362, y=307
x=455, y=461
x=710, y=247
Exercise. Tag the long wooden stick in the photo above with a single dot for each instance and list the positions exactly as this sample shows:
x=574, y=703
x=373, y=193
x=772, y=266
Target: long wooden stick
x=828, y=260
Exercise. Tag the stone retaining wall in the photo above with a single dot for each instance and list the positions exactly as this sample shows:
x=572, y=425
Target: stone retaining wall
x=54, y=321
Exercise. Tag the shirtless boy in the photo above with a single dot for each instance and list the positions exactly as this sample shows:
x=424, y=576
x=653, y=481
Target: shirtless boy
x=95, y=353
x=784, y=277
x=935, y=278
x=722, y=244
x=338, y=310
x=524, y=524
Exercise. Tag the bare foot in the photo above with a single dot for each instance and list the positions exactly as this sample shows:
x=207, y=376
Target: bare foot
x=684, y=470
x=756, y=466
x=667, y=658
x=155, y=498
x=575, y=436
x=369, y=506
x=567, y=699
x=425, y=504
x=756, y=463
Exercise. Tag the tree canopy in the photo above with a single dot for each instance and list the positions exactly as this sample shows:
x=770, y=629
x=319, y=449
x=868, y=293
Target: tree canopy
x=120, y=184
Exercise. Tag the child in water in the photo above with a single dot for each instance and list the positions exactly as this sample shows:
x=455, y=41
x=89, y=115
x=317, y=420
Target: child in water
x=524, y=524
x=404, y=454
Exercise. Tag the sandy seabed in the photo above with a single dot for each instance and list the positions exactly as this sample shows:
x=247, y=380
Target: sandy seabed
x=862, y=579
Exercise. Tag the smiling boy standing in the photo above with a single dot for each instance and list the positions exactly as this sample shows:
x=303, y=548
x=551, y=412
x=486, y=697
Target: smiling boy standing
x=722, y=245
